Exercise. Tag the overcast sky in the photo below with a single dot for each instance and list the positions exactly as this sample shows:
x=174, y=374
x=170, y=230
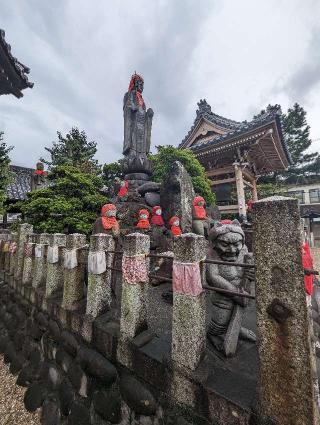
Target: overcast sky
x=239, y=55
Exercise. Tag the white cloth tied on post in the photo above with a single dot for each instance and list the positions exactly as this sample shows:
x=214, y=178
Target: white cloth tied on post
x=53, y=254
x=39, y=251
x=97, y=263
x=70, y=259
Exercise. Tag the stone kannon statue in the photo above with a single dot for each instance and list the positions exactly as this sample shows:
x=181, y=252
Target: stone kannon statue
x=227, y=243
x=39, y=178
x=137, y=129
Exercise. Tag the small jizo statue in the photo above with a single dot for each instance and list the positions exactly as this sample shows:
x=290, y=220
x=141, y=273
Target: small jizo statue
x=39, y=178
x=156, y=218
x=107, y=222
x=123, y=191
x=200, y=221
x=175, y=229
x=143, y=223
x=225, y=328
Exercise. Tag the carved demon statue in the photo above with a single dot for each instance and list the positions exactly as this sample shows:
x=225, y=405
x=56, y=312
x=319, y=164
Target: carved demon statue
x=225, y=327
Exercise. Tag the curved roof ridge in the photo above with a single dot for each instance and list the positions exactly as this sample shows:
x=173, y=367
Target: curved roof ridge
x=19, y=67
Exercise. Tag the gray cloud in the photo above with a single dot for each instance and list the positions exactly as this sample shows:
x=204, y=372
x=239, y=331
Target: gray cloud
x=82, y=54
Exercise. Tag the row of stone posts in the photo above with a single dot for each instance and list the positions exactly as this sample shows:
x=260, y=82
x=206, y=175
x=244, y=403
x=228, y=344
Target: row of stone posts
x=286, y=390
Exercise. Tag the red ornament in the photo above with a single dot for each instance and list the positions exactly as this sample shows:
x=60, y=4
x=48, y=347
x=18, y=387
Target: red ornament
x=175, y=228
x=143, y=222
x=157, y=219
x=109, y=221
x=199, y=210
x=40, y=173
x=226, y=221
x=123, y=189
x=307, y=264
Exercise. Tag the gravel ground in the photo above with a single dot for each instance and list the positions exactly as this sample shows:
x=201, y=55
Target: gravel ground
x=12, y=411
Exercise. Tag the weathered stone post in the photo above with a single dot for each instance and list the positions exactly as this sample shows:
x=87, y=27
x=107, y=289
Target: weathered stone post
x=189, y=306
x=54, y=281
x=73, y=272
x=135, y=279
x=3, y=240
x=23, y=231
x=28, y=263
x=13, y=252
x=40, y=264
x=135, y=282
x=6, y=265
x=286, y=390
x=99, y=277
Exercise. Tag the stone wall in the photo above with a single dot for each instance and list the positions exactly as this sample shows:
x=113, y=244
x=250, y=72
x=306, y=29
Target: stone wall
x=85, y=360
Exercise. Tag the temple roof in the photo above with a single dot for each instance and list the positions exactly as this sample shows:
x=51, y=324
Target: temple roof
x=13, y=76
x=210, y=130
x=21, y=183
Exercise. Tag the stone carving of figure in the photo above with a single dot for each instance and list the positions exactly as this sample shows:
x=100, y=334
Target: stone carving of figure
x=107, y=222
x=227, y=244
x=137, y=120
x=39, y=178
x=200, y=221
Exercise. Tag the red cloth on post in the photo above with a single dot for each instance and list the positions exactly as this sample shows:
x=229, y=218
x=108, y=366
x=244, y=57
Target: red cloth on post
x=186, y=279
x=307, y=264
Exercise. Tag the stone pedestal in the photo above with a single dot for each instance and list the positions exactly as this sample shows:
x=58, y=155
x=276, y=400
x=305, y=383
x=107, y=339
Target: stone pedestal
x=23, y=231
x=40, y=264
x=28, y=263
x=73, y=287
x=99, y=295
x=135, y=268
x=286, y=390
x=54, y=280
x=189, y=307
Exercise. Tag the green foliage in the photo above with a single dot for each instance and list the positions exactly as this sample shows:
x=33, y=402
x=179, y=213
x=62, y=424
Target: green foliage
x=167, y=155
x=296, y=132
x=270, y=189
x=70, y=204
x=110, y=172
x=4, y=170
x=74, y=149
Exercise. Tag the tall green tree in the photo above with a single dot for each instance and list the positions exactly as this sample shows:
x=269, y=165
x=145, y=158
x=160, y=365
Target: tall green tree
x=296, y=133
x=4, y=170
x=167, y=155
x=73, y=149
x=70, y=204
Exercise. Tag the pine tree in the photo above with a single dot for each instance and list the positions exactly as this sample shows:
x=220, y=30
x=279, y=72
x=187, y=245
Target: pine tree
x=70, y=204
x=297, y=136
x=4, y=170
x=296, y=132
x=74, y=149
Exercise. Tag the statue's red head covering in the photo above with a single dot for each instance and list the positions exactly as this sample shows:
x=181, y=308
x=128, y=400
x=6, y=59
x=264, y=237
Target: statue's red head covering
x=143, y=223
x=175, y=230
x=157, y=219
x=108, y=222
x=132, y=83
x=199, y=211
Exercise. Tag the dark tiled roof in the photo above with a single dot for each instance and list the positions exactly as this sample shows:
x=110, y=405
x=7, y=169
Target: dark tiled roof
x=235, y=128
x=14, y=78
x=21, y=183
